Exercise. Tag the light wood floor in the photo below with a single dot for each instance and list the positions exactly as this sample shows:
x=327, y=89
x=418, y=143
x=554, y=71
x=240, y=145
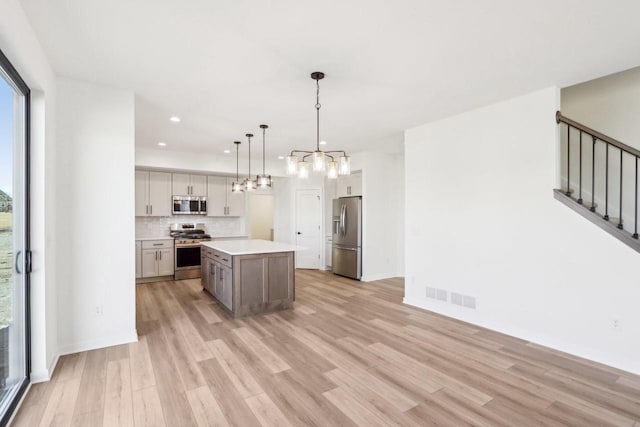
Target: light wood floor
x=348, y=354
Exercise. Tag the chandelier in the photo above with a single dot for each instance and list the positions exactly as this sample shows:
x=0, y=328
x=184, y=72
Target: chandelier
x=321, y=161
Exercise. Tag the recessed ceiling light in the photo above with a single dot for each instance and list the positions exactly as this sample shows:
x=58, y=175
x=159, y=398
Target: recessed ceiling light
x=323, y=142
x=227, y=151
x=162, y=144
x=280, y=157
x=175, y=119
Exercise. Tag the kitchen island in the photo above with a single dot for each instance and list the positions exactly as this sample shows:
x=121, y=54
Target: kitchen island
x=249, y=276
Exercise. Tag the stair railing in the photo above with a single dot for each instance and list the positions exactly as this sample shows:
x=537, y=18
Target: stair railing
x=608, y=141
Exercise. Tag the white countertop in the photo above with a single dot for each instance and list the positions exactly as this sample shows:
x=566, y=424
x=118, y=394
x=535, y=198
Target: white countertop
x=230, y=236
x=155, y=238
x=250, y=247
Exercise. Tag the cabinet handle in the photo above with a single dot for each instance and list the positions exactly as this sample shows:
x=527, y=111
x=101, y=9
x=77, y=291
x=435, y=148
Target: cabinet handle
x=156, y=255
x=160, y=255
x=221, y=275
x=146, y=209
x=151, y=209
x=225, y=259
x=158, y=244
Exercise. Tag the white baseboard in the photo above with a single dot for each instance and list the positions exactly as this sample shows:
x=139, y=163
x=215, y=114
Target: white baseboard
x=524, y=335
x=98, y=343
x=374, y=277
x=45, y=375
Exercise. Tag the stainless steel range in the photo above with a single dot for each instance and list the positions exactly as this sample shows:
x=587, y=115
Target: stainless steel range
x=187, y=246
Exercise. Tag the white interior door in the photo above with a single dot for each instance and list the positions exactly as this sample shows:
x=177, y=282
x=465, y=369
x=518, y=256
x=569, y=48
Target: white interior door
x=308, y=228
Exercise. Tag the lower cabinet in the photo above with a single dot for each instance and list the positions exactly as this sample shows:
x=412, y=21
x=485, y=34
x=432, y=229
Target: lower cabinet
x=157, y=258
x=138, y=259
x=249, y=284
x=225, y=279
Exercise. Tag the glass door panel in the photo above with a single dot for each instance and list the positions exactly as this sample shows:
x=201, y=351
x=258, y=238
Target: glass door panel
x=14, y=252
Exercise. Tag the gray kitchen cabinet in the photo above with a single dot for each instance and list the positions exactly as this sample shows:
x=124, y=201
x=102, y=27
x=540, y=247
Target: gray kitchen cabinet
x=221, y=201
x=250, y=284
x=153, y=193
x=189, y=185
x=225, y=278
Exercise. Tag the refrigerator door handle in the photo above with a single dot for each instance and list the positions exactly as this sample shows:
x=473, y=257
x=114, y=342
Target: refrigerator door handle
x=342, y=219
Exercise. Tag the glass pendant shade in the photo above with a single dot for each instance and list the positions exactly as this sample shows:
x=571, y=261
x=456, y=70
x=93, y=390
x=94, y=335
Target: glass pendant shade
x=318, y=161
x=292, y=165
x=345, y=165
x=332, y=170
x=303, y=169
x=249, y=185
x=264, y=181
x=236, y=187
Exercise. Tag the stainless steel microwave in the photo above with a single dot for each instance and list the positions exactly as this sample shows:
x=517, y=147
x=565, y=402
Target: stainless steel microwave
x=189, y=205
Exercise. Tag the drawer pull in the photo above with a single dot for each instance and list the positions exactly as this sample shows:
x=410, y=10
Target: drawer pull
x=225, y=259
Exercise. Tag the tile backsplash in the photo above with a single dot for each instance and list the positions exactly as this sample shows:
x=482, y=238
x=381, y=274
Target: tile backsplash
x=159, y=226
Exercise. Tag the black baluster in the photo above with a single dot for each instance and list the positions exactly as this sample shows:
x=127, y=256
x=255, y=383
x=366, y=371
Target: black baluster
x=593, y=176
x=606, y=183
x=635, y=228
x=620, y=221
x=580, y=180
x=568, y=193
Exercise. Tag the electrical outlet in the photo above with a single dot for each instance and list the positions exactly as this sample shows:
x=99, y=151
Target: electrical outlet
x=99, y=310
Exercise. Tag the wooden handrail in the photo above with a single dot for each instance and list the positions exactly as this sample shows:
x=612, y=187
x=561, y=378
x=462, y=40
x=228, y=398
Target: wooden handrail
x=594, y=133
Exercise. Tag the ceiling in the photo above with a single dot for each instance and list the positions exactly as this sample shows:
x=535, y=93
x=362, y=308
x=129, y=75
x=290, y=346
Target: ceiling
x=225, y=66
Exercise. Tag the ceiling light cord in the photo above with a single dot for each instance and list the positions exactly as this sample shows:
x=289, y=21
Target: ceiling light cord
x=264, y=131
x=249, y=156
x=318, y=105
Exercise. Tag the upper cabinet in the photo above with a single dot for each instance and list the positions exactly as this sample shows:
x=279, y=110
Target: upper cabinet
x=221, y=201
x=153, y=193
x=189, y=185
x=349, y=185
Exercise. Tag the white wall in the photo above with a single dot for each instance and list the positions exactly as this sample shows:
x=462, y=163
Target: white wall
x=481, y=221
x=610, y=104
x=19, y=43
x=96, y=148
x=261, y=215
x=382, y=215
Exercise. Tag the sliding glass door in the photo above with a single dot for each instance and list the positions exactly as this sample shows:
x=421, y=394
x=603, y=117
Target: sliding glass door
x=15, y=257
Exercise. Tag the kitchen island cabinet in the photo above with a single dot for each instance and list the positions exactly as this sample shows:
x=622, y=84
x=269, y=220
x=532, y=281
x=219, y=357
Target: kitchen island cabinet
x=249, y=276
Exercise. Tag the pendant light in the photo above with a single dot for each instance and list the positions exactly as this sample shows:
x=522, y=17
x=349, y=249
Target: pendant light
x=264, y=180
x=321, y=161
x=249, y=184
x=236, y=186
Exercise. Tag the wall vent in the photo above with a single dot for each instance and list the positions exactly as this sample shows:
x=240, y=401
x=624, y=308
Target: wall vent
x=438, y=294
x=457, y=299
x=469, y=302
x=431, y=292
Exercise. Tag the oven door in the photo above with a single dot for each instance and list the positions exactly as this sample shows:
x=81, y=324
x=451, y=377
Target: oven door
x=187, y=257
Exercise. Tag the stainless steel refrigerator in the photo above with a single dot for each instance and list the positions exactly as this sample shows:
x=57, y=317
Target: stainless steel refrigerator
x=346, y=251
